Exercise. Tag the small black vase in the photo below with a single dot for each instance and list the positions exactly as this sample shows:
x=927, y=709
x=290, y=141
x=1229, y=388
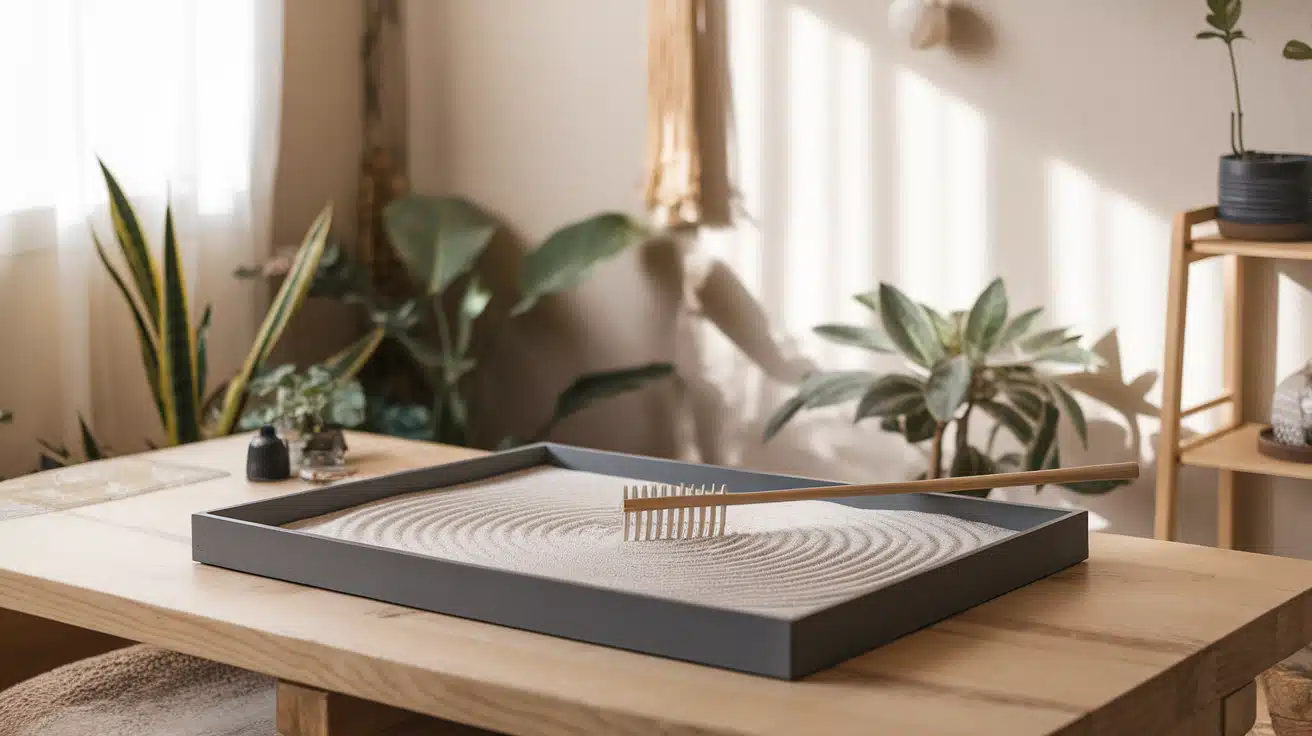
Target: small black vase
x=267, y=458
x=1265, y=189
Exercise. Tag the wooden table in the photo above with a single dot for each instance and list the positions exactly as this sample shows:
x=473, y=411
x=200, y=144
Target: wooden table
x=1147, y=637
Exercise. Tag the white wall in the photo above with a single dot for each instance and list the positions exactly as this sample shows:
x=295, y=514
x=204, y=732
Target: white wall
x=1051, y=147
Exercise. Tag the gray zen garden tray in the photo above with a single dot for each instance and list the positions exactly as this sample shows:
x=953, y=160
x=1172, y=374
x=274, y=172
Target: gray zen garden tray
x=251, y=538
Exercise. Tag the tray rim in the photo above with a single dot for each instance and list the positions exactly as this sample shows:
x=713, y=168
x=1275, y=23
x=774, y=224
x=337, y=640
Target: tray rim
x=209, y=527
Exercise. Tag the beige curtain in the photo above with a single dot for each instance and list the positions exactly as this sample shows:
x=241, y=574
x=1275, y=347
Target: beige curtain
x=688, y=114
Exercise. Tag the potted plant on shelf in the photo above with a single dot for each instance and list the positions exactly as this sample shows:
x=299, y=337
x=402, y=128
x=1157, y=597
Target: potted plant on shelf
x=962, y=366
x=309, y=410
x=1263, y=196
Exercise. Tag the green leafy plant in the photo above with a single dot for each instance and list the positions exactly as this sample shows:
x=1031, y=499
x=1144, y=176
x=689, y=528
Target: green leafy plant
x=173, y=342
x=1223, y=18
x=963, y=365
x=308, y=401
x=441, y=240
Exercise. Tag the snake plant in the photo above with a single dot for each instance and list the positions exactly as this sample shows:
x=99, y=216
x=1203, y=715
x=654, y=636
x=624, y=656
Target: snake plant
x=173, y=342
x=961, y=365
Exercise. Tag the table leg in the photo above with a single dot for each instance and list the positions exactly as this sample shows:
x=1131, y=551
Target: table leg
x=1233, y=715
x=30, y=645
x=307, y=711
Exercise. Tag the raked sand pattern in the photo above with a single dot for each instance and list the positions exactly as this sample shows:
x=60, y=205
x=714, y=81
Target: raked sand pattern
x=783, y=560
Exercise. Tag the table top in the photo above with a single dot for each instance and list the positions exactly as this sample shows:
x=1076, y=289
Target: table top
x=1133, y=641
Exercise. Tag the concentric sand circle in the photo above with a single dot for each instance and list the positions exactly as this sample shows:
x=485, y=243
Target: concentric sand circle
x=780, y=559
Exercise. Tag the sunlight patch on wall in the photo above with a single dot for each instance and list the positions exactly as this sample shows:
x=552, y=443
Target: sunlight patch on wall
x=854, y=244
x=1073, y=204
x=810, y=188
x=1292, y=302
x=942, y=175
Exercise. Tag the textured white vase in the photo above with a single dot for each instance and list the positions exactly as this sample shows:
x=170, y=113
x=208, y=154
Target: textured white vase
x=923, y=23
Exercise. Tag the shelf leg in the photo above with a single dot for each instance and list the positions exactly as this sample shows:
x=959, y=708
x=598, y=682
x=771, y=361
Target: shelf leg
x=1164, y=519
x=1232, y=371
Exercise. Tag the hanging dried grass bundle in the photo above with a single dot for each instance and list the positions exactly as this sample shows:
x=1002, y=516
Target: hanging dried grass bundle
x=687, y=128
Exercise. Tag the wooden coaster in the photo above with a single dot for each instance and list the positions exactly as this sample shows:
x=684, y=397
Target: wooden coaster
x=1267, y=445
x=1264, y=233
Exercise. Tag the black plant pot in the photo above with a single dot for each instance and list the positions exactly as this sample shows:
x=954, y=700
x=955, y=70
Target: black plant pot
x=1266, y=196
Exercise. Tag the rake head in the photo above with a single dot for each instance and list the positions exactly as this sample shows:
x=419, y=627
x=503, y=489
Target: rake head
x=694, y=523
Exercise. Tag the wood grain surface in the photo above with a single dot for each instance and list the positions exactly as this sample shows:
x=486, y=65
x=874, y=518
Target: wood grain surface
x=1140, y=639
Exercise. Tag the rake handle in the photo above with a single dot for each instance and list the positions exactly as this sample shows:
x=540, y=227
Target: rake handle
x=1113, y=471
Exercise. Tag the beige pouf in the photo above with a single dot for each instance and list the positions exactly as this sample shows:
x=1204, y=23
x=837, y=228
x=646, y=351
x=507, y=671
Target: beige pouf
x=140, y=691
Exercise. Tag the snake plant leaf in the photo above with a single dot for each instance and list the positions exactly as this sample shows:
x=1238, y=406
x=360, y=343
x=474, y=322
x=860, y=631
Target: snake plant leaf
x=593, y=387
x=202, y=352
x=1009, y=418
x=566, y=257
x=147, y=340
x=177, y=355
x=289, y=298
x=987, y=319
x=867, y=338
x=1298, y=51
x=1018, y=327
x=438, y=238
x=136, y=251
x=1072, y=409
x=893, y=395
x=906, y=323
x=348, y=362
x=946, y=389
x=91, y=449
x=472, y=306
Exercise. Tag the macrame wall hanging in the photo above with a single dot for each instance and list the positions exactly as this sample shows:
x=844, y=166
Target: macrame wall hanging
x=687, y=181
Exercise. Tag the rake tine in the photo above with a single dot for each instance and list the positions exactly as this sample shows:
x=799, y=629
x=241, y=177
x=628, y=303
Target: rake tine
x=627, y=514
x=724, y=510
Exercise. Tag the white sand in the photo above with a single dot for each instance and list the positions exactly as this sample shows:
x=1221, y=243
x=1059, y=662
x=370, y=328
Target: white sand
x=783, y=560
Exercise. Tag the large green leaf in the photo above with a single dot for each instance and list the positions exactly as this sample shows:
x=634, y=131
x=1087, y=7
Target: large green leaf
x=945, y=328
x=1042, y=450
x=987, y=319
x=1072, y=408
x=970, y=461
x=892, y=396
x=1008, y=417
x=911, y=330
x=1017, y=328
x=919, y=427
x=830, y=389
x=868, y=338
x=593, y=387
x=300, y=277
x=136, y=251
x=947, y=387
x=782, y=416
x=147, y=339
x=177, y=355
x=565, y=259
x=438, y=238
x=1298, y=51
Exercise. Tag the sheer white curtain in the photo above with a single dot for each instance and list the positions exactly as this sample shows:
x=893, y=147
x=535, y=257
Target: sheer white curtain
x=180, y=99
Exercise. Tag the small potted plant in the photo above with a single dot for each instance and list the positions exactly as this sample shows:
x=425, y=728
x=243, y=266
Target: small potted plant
x=309, y=409
x=1263, y=196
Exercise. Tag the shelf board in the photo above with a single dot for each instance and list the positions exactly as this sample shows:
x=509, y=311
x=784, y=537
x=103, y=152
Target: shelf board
x=1215, y=245
x=1237, y=450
